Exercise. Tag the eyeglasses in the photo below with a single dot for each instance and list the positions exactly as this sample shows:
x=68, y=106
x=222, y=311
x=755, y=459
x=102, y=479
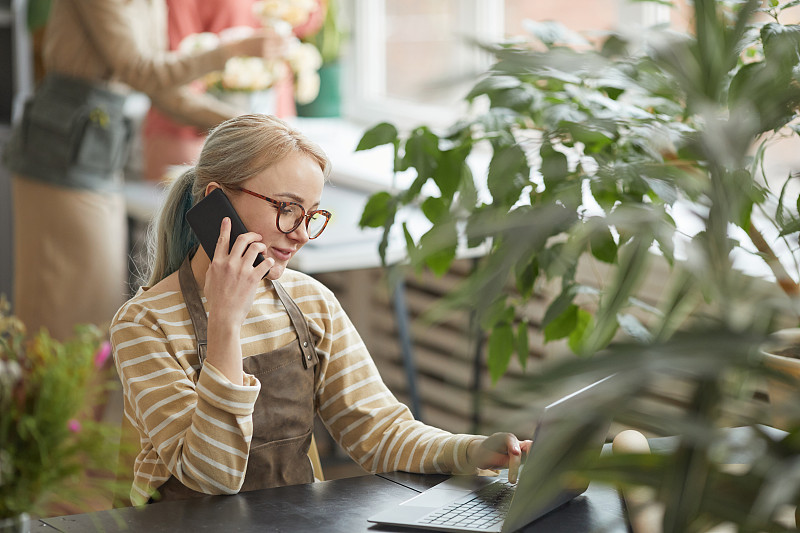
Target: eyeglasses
x=291, y=215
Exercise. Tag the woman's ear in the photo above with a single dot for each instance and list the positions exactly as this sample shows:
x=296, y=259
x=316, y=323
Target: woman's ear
x=211, y=186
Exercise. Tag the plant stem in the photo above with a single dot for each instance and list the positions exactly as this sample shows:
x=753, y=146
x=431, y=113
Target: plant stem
x=785, y=281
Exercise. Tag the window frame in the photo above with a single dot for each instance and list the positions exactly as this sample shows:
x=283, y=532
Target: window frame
x=365, y=68
x=366, y=76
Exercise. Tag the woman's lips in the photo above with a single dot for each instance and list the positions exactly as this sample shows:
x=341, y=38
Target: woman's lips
x=281, y=254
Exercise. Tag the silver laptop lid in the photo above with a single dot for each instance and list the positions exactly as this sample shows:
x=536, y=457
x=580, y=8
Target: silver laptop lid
x=543, y=484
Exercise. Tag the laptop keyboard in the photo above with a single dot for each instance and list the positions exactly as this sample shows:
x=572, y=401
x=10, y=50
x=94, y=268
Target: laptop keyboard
x=488, y=507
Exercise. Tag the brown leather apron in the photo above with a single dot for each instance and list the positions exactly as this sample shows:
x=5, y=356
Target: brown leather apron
x=283, y=417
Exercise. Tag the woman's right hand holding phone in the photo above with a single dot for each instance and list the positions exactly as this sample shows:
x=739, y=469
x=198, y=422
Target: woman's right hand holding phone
x=230, y=286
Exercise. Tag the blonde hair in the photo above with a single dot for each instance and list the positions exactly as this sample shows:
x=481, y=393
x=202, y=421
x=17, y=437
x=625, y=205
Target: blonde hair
x=235, y=151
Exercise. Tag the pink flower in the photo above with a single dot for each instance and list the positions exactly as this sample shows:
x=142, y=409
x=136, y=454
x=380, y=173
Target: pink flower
x=74, y=425
x=102, y=354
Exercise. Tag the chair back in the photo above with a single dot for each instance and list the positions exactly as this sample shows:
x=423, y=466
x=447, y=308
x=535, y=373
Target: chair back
x=316, y=464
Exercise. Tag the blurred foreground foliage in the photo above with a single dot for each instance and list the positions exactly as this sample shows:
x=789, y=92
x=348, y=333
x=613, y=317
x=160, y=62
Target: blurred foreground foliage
x=600, y=152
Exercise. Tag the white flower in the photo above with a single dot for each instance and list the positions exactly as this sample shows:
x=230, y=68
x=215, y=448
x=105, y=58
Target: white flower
x=307, y=86
x=295, y=12
x=280, y=69
x=304, y=56
x=198, y=42
x=254, y=74
x=270, y=9
x=281, y=27
x=247, y=74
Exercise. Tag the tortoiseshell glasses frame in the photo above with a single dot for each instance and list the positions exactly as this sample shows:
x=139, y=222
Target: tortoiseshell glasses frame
x=294, y=213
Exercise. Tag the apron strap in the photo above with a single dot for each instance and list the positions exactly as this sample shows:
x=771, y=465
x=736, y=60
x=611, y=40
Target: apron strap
x=300, y=325
x=194, y=304
x=197, y=313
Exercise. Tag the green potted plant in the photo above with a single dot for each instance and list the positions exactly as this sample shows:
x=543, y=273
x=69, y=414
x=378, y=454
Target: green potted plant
x=56, y=455
x=599, y=157
x=328, y=40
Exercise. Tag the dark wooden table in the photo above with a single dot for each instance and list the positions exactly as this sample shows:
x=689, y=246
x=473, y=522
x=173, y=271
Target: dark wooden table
x=341, y=505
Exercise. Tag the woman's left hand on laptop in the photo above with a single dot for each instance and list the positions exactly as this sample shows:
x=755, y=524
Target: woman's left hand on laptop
x=501, y=450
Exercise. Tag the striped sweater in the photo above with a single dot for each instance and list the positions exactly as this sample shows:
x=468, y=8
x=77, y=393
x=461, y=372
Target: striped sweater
x=197, y=426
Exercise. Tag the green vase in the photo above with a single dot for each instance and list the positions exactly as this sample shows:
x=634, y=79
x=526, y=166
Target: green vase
x=327, y=102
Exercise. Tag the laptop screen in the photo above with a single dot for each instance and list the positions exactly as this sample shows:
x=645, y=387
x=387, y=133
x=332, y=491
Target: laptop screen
x=563, y=432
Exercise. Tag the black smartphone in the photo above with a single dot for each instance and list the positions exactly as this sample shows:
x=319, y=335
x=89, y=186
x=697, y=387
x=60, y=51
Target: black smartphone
x=206, y=217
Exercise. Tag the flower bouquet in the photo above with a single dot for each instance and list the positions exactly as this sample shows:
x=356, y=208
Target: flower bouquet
x=284, y=15
x=55, y=455
x=303, y=58
x=245, y=76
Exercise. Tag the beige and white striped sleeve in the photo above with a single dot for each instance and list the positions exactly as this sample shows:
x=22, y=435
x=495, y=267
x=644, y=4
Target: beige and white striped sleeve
x=375, y=429
x=200, y=430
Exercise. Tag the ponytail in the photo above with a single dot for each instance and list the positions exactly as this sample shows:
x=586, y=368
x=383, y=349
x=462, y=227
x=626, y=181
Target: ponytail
x=171, y=240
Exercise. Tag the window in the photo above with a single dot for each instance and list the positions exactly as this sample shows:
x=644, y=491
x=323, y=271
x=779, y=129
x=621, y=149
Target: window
x=412, y=61
x=581, y=15
x=411, y=58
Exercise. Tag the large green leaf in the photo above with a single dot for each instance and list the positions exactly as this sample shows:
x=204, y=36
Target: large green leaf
x=560, y=304
x=507, y=171
x=380, y=207
x=584, y=324
x=554, y=165
x=605, y=192
x=519, y=98
x=497, y=312
x=501, y=347
x=781, y=44
x=497, y=122
x=412, y=193
x=383, y=133
x=630, y=270
x=603, y=245
x=438, y=246
x=765, y=87
x=594, y=136
x=562, y=325
x=527, y=270
x=435, y=209
x=411, y=249
x=491, y=84
x=467, y=198
x=451, y=169
x=422, y=152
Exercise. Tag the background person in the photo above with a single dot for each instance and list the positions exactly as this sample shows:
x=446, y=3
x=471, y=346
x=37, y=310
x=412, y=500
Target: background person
x=168, y=142
x=66, y=156
x=225, y=365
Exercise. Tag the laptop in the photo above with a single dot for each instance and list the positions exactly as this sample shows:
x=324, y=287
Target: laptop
x=479, y=503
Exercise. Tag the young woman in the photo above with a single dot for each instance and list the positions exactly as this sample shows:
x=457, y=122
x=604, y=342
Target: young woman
x=224, y=367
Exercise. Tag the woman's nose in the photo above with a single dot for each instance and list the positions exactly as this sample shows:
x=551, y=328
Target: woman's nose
x=300, y=234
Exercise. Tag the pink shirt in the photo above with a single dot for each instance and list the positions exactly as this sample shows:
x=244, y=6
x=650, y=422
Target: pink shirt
x=186, y=17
